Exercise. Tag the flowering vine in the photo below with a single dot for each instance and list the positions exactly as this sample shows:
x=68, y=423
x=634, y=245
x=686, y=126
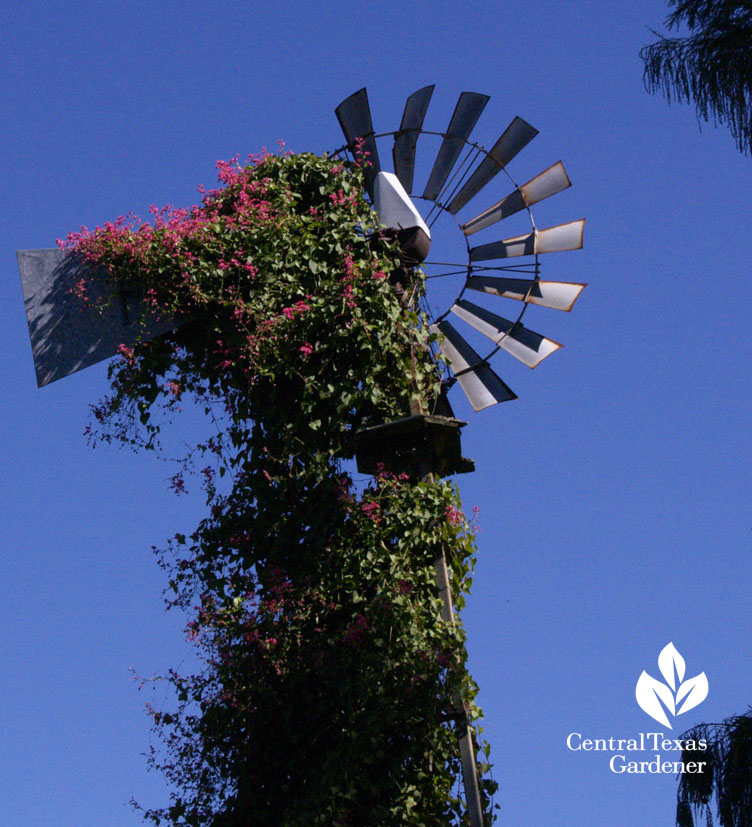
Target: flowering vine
x=330, y=680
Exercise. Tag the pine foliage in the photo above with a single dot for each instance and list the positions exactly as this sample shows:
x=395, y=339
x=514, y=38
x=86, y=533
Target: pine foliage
x=711, y=65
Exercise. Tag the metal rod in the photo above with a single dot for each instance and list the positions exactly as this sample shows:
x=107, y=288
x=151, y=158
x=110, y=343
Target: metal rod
x=467, y=752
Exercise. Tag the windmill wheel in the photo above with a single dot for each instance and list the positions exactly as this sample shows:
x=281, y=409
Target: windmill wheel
x=460, y=171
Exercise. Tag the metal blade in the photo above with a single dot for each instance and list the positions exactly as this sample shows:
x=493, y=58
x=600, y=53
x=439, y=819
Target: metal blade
x=403, y=151
x=549, y=182
x=560, y=238
x=479, y=382
x=523, y=245
x=354, y=116
x=515, y=137
x=68, y=333
x=556, y=239
x=558, y=295
x=466, y=114
x=529, y=347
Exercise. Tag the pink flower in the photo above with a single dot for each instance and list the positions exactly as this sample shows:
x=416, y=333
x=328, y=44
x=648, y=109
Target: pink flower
x=443, y=659
x=356, y=631
x=372, y=511
x=455, y=516
x=79, y=290
x=127, y=354
x=306, y=349
x=227, y=171
x=177, y=483
x=475, y=521
x=192, y=630
x=361, y=154
x=298, y=309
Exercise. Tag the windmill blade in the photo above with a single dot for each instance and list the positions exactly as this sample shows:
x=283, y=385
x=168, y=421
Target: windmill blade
x=403, y=151
x=481, y=385
x=529, y=347
x=558, y=295
x=556, y=239
x=547, y=183
x=354, y=116
x=68, y=332
x=515, y=137
x=465, y=116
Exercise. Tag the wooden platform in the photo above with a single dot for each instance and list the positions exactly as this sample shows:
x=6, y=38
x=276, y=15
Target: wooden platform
x=414, y=445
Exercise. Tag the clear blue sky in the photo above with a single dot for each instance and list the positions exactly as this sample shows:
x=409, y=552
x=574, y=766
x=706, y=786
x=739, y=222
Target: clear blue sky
x=614, y=494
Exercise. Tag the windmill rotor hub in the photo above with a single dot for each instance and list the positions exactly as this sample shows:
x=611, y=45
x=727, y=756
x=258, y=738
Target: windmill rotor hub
x=401, y=218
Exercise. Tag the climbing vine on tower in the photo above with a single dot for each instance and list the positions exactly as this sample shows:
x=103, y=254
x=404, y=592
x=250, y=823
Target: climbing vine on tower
x=329, y=678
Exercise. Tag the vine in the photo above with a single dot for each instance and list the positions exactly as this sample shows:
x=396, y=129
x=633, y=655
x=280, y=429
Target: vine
x=327, y=690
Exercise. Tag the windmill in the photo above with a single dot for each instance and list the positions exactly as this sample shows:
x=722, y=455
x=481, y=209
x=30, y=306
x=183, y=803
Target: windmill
x=460, y=171
x=62, y=346
x=64, y=340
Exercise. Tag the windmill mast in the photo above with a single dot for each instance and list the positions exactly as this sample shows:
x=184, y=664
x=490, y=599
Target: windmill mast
x=433, y=441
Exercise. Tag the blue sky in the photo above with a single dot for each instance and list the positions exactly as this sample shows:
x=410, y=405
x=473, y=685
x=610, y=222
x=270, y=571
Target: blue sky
x=614, y=494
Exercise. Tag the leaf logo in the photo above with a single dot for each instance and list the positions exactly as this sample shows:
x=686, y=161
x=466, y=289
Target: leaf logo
x=675, y=695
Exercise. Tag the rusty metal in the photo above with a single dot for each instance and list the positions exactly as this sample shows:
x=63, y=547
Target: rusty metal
x=557, y=295
x=450, y=187
x=475, y=376
x=405, y=445
x=354, y=116
x=69, y=333
x=556, y=239
x=521, y=245
x=560, y=238
x=529, y=347
x=547, y=183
